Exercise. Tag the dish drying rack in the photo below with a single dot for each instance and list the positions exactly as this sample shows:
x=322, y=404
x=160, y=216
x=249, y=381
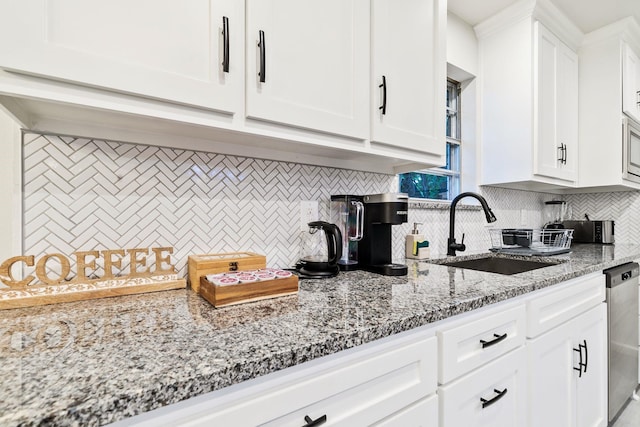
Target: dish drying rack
x=527, y=241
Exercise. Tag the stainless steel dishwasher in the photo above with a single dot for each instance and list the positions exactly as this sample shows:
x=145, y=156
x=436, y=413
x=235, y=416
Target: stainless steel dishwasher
x=622, y=321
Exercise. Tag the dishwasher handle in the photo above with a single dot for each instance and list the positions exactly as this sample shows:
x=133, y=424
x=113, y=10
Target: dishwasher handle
x=621, y=274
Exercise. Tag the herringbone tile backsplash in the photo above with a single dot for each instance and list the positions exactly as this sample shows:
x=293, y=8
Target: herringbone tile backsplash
x=83, y=194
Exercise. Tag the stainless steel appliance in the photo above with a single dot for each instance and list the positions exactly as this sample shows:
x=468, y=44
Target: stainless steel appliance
x=630, y=149
x=381, y=211
x=622, y=322
x=320, y=251
x=347, y=212
x=591, y=231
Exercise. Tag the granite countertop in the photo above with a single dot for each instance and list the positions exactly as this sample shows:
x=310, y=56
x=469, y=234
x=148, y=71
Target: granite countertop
x=99, y=361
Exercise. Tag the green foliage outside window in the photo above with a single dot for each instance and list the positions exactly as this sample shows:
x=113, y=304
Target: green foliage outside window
x=425, y=186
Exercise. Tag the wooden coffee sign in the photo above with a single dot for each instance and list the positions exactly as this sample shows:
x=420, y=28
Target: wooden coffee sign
x=40, y=287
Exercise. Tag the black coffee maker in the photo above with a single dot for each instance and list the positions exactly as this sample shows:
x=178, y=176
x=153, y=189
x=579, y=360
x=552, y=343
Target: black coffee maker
x=381, y=211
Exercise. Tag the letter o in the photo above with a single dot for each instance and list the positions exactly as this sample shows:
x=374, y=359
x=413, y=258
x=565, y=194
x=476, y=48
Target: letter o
x=41, y=270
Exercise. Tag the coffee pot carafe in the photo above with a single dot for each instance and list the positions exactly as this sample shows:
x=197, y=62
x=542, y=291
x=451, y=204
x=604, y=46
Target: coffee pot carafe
x=320, y=251
x=347, y=212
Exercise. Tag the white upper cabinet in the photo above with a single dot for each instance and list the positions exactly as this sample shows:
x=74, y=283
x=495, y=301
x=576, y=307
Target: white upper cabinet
x=631, y=83
x=298, y=88
x=408, y=76
x=609, y=83
x=556, y=106
x=307, y=64
x=529, y=97
x=155, y=48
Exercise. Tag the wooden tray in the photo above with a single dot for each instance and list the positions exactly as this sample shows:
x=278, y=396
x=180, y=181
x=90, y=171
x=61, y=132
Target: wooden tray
x=201, y=265
x=221, y=296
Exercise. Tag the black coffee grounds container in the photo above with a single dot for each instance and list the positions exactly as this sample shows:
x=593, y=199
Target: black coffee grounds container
x=381, y=211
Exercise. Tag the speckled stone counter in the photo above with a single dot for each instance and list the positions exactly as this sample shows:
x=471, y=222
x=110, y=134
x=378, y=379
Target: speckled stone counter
x=95, y=362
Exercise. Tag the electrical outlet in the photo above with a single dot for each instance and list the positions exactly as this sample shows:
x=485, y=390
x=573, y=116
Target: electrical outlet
x=308, y=213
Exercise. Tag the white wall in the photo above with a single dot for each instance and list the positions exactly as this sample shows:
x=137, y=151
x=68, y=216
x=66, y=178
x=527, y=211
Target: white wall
x=10, y=188
x=462, y=45
x=462, y=65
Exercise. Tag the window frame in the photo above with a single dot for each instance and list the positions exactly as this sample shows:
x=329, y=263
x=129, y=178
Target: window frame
x=453, y=148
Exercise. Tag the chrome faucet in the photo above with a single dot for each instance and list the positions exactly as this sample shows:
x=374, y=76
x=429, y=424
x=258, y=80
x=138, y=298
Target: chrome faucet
x=452, y=246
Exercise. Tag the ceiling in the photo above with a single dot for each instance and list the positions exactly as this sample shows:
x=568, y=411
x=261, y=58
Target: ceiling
x=588, y=15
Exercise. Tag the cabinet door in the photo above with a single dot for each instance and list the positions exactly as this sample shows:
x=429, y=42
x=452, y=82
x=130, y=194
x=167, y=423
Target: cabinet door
x=591, y=386
x=314, y=61
x=409, y=53
x=631, y=83
x=492, y=396
x=551, y=385
x=156, y=48
x=555, y=106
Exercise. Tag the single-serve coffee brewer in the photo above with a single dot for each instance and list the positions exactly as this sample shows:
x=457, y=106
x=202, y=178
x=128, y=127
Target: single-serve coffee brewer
x=347, y=213
x=381, y=211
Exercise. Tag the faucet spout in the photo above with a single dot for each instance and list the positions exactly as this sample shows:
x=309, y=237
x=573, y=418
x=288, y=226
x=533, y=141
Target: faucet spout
x=452, y=245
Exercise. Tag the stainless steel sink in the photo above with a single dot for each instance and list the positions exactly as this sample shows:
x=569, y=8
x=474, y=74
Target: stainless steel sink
x=498, y=265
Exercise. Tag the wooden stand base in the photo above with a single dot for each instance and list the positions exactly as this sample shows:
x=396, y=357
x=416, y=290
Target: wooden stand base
x=90, y=289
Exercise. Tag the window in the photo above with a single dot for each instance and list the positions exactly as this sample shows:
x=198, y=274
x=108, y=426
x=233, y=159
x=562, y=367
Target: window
x=440, y=183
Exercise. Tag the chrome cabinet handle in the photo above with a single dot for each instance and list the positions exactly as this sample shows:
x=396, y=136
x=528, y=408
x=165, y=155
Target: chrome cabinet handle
x=263, y=65
x=359, y=221
x=225, y=51
x=489, y=402
x=383, y=85
x=563, y=154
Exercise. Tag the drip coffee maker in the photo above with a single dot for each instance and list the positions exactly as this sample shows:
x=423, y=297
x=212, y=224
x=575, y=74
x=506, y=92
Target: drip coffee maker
x=381, y=212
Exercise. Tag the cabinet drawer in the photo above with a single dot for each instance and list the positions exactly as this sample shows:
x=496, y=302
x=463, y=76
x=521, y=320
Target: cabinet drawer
x=361, y=393
x=557, y=307
x=501, y=383
x=423, y=414
x=360, y=388
x=478, y=340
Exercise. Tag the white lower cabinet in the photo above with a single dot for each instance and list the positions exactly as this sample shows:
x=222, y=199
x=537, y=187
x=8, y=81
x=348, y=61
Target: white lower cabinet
x=537, y=361
x=392, y=383
x=492, y=396
x=423, y=413
x=568, y=373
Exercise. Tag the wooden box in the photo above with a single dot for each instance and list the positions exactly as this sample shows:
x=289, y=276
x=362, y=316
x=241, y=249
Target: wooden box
x=223, y=295
x=201, y=265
